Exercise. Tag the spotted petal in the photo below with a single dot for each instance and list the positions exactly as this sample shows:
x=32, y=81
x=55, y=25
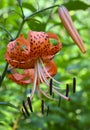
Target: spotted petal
x=27, y=76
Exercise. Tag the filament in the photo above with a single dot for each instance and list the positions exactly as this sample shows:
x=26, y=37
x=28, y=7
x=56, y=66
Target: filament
x=54, y=90
x=35, y=81
x=49, y=74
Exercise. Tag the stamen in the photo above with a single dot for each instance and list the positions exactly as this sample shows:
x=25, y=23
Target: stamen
x=35, y=81
x=41, y=76
x=61, y=95
x=67, y=89
x=74, y=85
x=47, y=110
x=49, y=74
x=54, y=90
x=50, y=86
x=25, y=108
x=30, y=105
x=47, y=95
x=42, y=106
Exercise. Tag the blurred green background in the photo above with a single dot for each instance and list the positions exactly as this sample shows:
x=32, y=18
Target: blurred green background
x=73, y=115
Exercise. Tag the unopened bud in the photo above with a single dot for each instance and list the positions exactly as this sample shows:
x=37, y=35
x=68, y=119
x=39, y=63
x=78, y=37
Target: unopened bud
x=69, y=26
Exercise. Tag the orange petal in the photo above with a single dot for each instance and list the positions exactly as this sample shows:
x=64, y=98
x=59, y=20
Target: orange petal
x=18, y=49
x=56, y=48
x=51, y=68
x=22, y=65
x=69, y=26
x=38, y=43
x=25, y=78
x=47, y=58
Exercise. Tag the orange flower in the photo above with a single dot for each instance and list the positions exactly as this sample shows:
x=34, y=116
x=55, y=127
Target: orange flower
x=34, y=56
x=22, y=53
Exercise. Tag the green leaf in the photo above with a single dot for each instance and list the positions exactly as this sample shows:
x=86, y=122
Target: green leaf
x=28, y=6
x=36, y=25
x=8, y=104
x=76, y=5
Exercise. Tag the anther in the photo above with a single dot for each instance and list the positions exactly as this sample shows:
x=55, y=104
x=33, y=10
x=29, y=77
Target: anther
x=25, y=108
x=47, y=110
x=29, y=103
x=50, y=86
x=42, y=106
x=67, y=90
x=74, y=85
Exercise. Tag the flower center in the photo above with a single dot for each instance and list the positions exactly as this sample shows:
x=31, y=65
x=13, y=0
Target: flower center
x=41, y=75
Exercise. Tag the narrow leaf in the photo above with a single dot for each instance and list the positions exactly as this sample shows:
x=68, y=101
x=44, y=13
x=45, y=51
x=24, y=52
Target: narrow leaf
x=8, y=104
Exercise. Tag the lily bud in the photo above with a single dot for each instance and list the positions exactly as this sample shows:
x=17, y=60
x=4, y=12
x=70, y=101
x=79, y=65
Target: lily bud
x=69, y=26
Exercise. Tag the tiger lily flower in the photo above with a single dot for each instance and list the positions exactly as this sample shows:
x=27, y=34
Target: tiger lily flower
x=34, y=56
x=23, y=54
x=69, y=26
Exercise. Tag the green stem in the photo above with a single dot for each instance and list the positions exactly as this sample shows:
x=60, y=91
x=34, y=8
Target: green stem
x=20, y=29
x=3, y=74
x=26, y=18
x=39, y=11
x=6, y=31
x=20, y=5
x=22, y=12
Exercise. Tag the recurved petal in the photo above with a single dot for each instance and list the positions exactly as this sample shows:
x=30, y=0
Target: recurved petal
x=39, y=43
x=57, y=47
x=69, y=26
x=19, y=49
x=47, y=58
x=51, y=68
x=25, y=78
x=27, y=64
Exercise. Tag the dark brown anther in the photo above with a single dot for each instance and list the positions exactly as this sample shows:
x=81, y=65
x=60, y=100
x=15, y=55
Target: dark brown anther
x=67, y=90
x=74, y=85
x=47, y=110
x=25, y=108
x=24, y=113
x=30, y=104
x=50, y=86
x=59, y=101
x=42, y=106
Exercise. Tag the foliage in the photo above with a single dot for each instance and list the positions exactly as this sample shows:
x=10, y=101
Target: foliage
x=20, y=16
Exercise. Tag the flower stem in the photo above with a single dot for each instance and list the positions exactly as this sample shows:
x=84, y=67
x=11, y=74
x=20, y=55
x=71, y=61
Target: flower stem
x=6, y=31
x=3, y=74
x=22, y=24
x=39, y=11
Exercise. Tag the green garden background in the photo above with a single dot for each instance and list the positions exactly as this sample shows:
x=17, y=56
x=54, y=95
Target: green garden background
x=42, y=15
